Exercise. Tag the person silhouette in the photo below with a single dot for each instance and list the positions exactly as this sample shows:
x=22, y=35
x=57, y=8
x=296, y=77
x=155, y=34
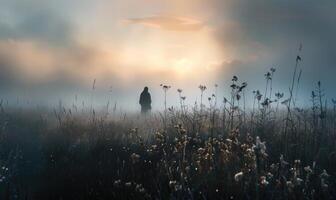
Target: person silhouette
x=145, y=101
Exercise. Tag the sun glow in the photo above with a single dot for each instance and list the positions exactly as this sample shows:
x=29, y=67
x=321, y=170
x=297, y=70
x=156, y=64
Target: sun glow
x=179, y=55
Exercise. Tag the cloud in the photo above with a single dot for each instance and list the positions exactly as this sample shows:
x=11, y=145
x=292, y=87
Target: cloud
x=40, y=46
x=32, y=21
x=271, y=31
x=168, y=23
x=59, y=44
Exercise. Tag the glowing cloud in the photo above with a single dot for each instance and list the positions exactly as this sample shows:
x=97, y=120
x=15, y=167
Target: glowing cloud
x=168, y=23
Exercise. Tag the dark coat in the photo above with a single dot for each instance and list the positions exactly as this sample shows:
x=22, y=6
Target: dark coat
x=145, y=101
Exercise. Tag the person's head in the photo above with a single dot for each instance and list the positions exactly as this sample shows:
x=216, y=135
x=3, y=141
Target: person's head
x=146, y=89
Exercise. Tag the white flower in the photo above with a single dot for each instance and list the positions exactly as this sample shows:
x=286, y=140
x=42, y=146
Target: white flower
x=238, y=176
x=264, y=181
x=282, y=161
x=269, y=175
x=260, y=146
x=324, y=174
x=308, y=169
x=298, y=181
x=117, y=183
x=289, y=184
x=172, y=183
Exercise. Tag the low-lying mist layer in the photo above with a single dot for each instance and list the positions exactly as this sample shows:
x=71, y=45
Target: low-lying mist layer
x=207, y=151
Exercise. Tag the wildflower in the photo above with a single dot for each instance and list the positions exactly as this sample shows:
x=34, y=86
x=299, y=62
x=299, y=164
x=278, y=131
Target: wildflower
x=297, y=163
x=283, y=163
x=234, y=78
x=178, y=126
x=308, y=169
x=249, y=150
x=117, y=183
x=279, y=95
x=290, y=185
x=298, y=58
x=268, y=76
x=238, y=176
x=258, y=95
x=182, y=131
x=263, y=181
x=233, y=86
x=165, y=87
x=200, y=150
x=172, y=183
x=269, y=175
x=244, y=84
x=260, y=146
x=298, y=181
x=139, y=188
x=266, y=102
x=178, y=187
x=135, y=158
x=324, y=174
x=202, y=87
x=142, y=190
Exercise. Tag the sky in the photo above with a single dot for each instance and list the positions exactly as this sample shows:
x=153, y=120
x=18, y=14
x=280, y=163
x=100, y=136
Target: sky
x=54, y=50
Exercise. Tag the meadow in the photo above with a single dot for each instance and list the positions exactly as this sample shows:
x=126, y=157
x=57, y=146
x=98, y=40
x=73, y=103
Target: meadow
x=215, y=149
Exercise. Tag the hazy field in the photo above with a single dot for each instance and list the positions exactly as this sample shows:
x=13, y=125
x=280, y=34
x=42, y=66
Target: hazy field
x=215, y=149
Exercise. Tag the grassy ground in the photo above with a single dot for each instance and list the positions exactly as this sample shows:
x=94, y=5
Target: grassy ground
x=195, y=153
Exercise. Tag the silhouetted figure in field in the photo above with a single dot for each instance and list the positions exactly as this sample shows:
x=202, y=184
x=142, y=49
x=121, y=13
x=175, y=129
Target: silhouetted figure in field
x=145, y=101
